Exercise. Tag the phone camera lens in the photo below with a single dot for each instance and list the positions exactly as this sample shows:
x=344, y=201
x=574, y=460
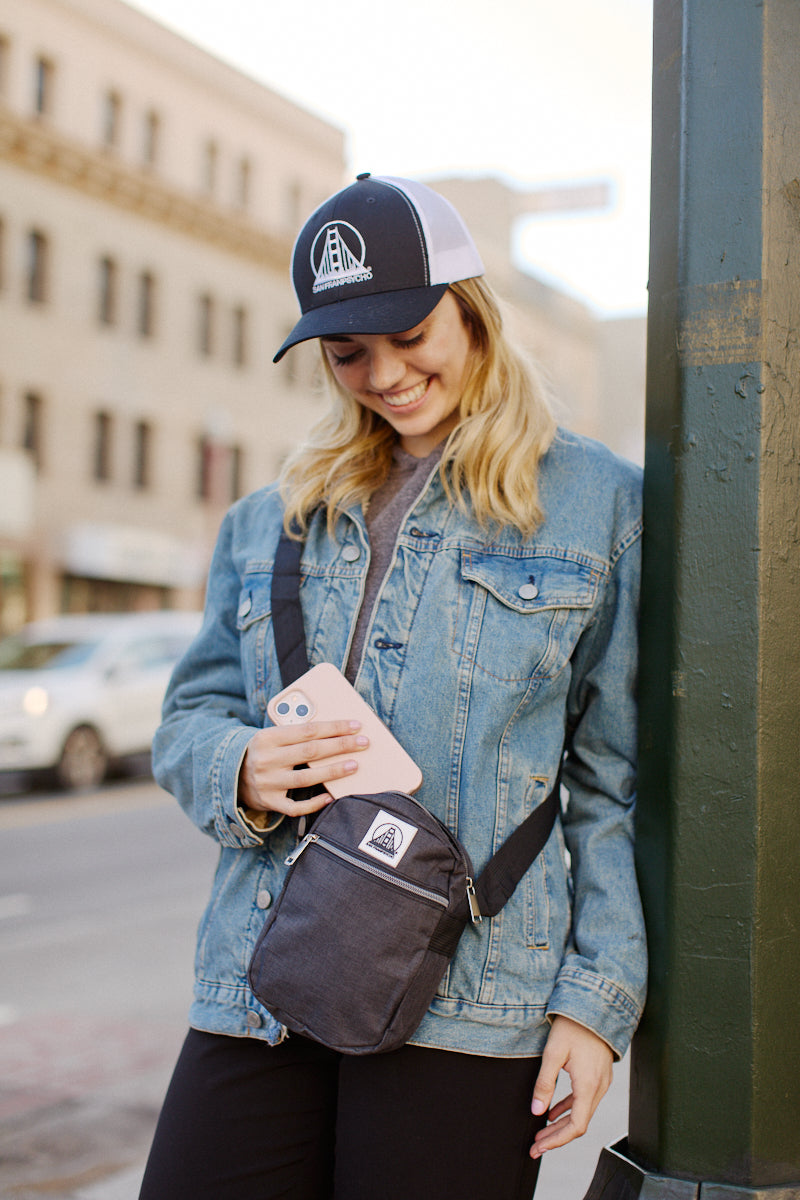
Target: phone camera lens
x=302, y=710
x=283, y=708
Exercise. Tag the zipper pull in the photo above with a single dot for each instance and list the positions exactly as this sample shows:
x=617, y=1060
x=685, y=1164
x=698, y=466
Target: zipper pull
x=472, y=901
x=298, y=850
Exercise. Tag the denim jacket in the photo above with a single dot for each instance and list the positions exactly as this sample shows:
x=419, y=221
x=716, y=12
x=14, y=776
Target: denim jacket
x=487, y=653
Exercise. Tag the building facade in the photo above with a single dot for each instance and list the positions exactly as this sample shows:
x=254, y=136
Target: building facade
x=149, y=198
x=595, y=368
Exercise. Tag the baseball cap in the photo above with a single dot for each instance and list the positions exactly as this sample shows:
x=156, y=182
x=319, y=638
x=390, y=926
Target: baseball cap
x=377, y=257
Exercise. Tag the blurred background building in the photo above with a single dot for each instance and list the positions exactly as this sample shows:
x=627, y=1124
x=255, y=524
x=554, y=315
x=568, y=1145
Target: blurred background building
x=149, y=197
x=596, y=368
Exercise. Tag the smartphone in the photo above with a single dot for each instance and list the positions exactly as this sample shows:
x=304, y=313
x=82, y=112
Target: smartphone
x=323, y=694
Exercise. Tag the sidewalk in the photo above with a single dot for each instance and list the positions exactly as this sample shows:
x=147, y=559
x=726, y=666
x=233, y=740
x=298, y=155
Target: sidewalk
x=78, y=1104
x=79, y=1099
x=565, y=1174
x=97, y=957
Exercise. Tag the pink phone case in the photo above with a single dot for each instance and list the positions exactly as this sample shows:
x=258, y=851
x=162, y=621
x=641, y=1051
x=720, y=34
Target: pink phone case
x=323, y=694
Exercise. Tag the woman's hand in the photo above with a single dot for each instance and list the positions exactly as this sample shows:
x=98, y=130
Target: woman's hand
x=267, y=772
x=588, y=1061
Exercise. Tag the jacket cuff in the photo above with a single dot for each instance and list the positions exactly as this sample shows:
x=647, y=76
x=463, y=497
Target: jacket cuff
x=259, y=822
x=231, y=827
x=599, y=1005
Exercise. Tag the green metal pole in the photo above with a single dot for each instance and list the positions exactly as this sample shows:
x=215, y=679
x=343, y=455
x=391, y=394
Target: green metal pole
x=715, y=1081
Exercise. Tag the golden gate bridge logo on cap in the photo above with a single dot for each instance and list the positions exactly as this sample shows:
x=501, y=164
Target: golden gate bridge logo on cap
x=337, y=258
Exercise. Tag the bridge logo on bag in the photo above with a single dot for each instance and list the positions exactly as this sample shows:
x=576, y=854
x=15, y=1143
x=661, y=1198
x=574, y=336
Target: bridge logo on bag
x=387, y=839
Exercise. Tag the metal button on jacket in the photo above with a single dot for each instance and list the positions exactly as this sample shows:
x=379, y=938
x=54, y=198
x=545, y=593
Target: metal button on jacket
x=254, y=1020
x=528, y=591
x=351, y=554
x=264, y=898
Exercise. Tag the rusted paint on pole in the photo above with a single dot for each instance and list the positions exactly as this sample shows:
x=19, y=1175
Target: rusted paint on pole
x=715, y=1089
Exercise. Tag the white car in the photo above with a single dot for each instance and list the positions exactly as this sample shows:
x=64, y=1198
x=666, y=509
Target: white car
x=78, y=693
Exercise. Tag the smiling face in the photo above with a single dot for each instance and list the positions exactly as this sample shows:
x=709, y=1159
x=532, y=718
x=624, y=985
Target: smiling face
x=412, y=379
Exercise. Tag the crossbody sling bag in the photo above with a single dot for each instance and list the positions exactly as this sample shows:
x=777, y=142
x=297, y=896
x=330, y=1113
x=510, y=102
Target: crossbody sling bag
x=378, y=894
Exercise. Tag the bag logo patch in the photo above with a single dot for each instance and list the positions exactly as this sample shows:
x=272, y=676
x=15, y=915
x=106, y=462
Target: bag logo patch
x=340, y=258
x=387, y=839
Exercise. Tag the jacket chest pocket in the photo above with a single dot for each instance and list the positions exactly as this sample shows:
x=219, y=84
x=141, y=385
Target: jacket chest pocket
x=518, y=618
x=254, y=622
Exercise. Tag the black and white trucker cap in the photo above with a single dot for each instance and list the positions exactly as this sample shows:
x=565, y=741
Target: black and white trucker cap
x=377, y=258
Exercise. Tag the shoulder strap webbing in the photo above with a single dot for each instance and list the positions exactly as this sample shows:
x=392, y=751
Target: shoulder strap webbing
x=287, y=615
x=505, y=868
x=498, y=879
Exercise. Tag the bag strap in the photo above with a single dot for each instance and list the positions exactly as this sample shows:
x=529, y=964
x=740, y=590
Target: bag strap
x=504, y=870
x=287, y=615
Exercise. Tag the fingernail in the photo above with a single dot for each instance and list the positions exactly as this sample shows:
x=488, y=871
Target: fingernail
x=351, y=765
x=538, y=1107
x=354, y=724
x=362, y=741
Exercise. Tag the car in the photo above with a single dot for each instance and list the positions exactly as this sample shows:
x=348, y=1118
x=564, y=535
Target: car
x=82, y=693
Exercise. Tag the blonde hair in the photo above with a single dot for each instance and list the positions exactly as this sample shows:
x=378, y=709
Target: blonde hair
x=490, y=461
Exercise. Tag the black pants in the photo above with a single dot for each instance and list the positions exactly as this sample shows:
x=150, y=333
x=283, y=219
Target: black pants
x=243, y=1120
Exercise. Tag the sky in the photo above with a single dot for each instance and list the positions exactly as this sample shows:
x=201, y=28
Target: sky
x=535, y=91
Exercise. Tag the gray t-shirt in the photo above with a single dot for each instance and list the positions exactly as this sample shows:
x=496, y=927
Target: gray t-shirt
x=387, y=507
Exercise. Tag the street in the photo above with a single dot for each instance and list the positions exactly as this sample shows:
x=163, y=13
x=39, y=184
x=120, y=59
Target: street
x=99, y=899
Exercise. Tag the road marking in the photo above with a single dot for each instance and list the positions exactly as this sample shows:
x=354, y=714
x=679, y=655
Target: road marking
x=17, y=904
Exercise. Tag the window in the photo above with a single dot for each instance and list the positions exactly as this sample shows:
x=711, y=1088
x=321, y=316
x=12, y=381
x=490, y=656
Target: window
x=107, y=291
x=203, y=456
x=4, y=57
x=152, y=137
x=237, y=467
x=243, y=183
x=239, y=336
x=112, y=112
x=146, y=308
x=32, y=427
x=290, y=361
x=43, y=79
x=37, y=267
x=293, y=197
x=142, y=454
x=205, y=325
x=210, y=159
x=218, y=474
x=103, y=430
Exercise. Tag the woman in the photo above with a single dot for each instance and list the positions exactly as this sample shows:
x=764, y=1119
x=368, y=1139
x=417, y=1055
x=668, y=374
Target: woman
x=474, y=571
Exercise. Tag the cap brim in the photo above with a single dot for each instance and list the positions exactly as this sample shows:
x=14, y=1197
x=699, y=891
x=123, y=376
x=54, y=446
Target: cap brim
x=386, y=312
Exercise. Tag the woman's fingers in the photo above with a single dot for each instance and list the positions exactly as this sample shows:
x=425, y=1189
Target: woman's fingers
x=323, y=742
x=279, y=759
x=587, y=1059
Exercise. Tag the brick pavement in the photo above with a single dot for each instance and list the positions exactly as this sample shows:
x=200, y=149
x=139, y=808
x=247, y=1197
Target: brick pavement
x=44, y=1060
x=78, y=1101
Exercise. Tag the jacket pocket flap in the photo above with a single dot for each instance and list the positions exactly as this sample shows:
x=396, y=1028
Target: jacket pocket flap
x=534, y=582
x=255, y=601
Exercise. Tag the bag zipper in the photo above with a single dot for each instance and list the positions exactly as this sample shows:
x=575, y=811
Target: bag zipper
x=396, y=881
